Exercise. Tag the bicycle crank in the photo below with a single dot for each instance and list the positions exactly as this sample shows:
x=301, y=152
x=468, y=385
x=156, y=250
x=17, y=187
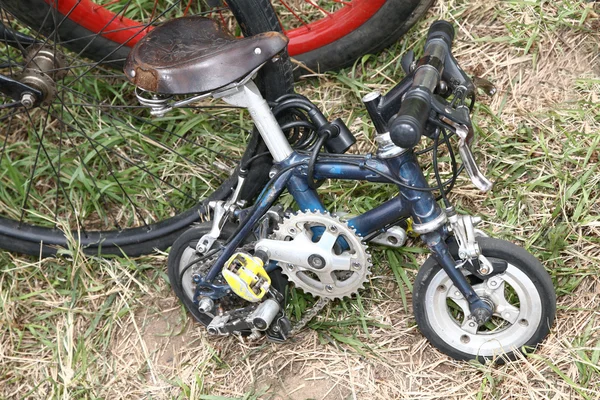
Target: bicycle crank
x=320, y=254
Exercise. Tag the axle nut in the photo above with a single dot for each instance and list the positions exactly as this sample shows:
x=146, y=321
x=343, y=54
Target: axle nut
x=28, y=100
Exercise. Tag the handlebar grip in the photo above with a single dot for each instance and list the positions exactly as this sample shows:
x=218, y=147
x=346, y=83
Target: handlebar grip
x=441, y=29
x=407, y=127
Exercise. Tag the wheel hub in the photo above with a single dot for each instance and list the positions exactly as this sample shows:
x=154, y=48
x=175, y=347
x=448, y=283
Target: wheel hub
x=43, y=67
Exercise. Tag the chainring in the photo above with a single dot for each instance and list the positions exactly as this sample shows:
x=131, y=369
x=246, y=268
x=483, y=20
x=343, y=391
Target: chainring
x=337, y=262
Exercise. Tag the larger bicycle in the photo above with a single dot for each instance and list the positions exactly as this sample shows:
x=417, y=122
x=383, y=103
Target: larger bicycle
x=80, y=162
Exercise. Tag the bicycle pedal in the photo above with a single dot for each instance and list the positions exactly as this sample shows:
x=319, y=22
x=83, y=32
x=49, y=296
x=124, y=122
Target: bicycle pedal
x=247, y=277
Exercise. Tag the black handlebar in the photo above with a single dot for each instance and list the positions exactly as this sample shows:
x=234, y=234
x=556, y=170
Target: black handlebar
x=441, y=29
x=406, y=128
x=437, y=63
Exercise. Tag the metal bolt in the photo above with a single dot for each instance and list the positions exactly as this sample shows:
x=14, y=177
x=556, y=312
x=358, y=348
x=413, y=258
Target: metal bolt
x=484, y=270
x=356, y=265
x=329, y=288
x=462, y=254
x=254, y=336
x=272, y=173
x=28, y=100
x=458, y=294
x=257, y=51
x=206, y=304
x=472, y=324
x=316, y=261
x=290, y=267
x=292, y=231
x=493, y=283
x=333, y=228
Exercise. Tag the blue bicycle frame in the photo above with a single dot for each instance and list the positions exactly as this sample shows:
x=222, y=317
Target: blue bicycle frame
x=418, y=203
x=400, y=166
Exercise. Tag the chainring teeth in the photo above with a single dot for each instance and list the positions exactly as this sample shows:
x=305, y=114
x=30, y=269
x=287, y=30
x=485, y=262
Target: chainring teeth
x=296, y=224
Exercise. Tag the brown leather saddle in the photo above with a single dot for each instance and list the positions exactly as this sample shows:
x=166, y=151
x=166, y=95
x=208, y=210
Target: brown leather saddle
x=194, y=55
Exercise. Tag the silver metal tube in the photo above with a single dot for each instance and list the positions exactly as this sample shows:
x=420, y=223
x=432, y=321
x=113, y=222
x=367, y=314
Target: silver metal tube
x=264, y=315
x=249, y=96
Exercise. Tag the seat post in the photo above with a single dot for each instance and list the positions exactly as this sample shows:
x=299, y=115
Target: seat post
x=248, y=96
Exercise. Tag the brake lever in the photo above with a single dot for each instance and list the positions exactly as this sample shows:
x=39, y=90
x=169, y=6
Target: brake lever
x=452, y=116
x=477, y=177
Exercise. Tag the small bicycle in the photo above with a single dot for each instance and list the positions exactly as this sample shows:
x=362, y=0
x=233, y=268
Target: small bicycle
x=475, y=298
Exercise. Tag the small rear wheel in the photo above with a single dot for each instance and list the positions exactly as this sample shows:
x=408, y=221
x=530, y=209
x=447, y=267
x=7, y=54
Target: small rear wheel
x=523, y=300
x=184, y=262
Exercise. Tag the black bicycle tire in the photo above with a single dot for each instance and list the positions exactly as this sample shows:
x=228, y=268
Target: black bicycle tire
x=380, y=31
x=495, y=248
x=278, y=280
x=275, y=79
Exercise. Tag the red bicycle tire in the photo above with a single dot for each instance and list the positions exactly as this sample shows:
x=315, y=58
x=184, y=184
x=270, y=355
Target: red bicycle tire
x=305, y=38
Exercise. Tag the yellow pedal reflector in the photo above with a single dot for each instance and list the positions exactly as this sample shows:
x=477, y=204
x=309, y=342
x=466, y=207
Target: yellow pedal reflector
x=247, y=277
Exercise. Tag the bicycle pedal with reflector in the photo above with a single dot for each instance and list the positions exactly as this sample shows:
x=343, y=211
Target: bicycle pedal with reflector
x=246, y=275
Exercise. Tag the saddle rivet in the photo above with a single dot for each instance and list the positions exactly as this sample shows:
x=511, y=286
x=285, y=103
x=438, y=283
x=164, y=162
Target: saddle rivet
x=132, y=73
x=257, y=51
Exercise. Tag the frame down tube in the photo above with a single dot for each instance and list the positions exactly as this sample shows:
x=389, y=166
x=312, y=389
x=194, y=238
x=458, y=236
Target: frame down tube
x=418, y=204
x=365, y=168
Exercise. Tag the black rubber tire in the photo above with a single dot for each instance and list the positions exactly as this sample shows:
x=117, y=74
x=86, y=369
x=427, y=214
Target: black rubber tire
x=189, y=239
x=275, y=79
x=383, y=29
x=494, y=248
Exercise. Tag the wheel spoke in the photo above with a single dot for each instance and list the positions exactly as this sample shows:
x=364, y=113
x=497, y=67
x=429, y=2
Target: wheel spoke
x=291, y=10
x=508, y=312
x=457, y=297
x=156, y=126
x=102, y=30
x=503, y=308
x=41, y=147
x=97, y=144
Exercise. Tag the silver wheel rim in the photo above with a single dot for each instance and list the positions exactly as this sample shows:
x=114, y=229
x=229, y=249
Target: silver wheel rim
x=518, y=323
x=187, y=284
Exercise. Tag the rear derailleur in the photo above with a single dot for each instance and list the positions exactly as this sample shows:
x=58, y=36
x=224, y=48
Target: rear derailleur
x=266, y=317
x=248, y=280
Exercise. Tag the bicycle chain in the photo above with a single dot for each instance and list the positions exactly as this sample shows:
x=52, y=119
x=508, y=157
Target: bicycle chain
x=301, y=323
x=308, y=316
